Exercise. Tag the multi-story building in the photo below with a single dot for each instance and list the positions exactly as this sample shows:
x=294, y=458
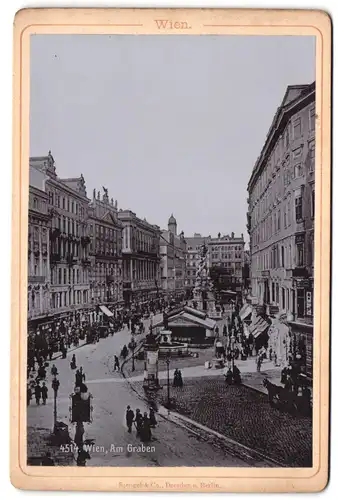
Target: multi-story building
x=226, y=258
x=69, y=241
x=281, y=225
x=194, y=244
x=105, y=251
x=140, y=258
x=38, y=247
x=173, y=259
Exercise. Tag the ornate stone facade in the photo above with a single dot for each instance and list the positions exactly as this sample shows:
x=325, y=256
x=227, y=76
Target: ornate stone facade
x=69, y=242
x=105, y=231
x=281, y=215
x=141, y=258
x=38, y=251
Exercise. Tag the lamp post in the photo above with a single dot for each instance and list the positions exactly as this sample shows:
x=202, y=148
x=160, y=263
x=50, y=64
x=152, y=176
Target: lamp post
x=55, y=387
x=133, y=345
x=232, y=350
x=167, y=360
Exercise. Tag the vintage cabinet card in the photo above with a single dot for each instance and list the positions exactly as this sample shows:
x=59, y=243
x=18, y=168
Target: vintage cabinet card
x=171, y=264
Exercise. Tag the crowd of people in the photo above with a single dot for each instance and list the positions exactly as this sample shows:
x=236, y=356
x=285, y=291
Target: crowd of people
x=143, y=423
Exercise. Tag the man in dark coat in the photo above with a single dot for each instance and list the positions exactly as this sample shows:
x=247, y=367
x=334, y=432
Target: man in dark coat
x=44, y=393
x=37, y=391
x=129, y=418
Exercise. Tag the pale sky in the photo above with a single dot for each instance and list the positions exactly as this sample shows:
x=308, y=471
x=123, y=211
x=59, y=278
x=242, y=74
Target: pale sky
x=170, y=124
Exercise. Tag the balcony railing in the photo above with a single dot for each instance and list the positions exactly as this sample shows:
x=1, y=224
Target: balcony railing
x=71, y=261
x=36, y=279
x=86, y=262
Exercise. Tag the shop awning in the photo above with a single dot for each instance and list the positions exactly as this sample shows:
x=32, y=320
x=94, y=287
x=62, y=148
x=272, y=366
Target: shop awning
x=106, y=311
x=245, y=311
x=258, y=327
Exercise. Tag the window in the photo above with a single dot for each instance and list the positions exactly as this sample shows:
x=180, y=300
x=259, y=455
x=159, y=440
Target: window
x=68, y=205
x=297, y=153
x=300, y=302
x=63, y=202
x=285, y=218
x=297, y=128
x=64, y=276
x=312, y=118
x=312, y=156
x=298, y=170
x=299, y=208
x=313, y=203
x=300, y=254
x=283, y=256
x=283, y=298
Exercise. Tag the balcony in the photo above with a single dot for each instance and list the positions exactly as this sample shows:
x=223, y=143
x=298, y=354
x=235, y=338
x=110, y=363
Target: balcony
x=127, y=285
x=36, y=279
x=55, y=233
x=71, y=261
x=266, y=274
x=300, y=272
x=86, y=262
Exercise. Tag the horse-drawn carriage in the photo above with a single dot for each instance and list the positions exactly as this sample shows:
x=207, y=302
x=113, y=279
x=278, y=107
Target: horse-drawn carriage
x=289, y=400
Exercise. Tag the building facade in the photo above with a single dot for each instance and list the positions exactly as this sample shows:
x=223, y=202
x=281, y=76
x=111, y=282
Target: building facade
x=105, y=251
x=194, y=244
x=226, y=258
x=38, y=247
x=69, y=241
x=173, y=248
x=281, y=225
x=140, y=258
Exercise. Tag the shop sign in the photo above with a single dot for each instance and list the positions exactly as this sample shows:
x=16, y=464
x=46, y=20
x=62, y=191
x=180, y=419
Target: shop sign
x=308, y=304
x=303, y=283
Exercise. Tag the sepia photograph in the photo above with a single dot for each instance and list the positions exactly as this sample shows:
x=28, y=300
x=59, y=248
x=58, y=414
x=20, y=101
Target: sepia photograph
x=171, y=263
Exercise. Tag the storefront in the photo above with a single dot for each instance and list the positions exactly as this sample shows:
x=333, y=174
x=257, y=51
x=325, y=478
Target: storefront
x=302, y=345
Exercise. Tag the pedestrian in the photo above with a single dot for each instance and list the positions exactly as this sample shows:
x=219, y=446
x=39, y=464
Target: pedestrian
x=37, y=391
x=146, y=430
x=138, y=421
x=44, y=393
x=152, y=418
x=129, y=418
x=116, y=363
x=259, y=362
x=73, y=362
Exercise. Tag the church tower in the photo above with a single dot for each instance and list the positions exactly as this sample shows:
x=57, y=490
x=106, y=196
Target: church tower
x=172, y=225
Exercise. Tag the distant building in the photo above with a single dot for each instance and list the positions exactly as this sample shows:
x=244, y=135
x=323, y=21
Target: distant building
x=105, y=251
x=194, y=244
x=226, y=259
x=173, y=259
x=281, y=225
x=140, y=258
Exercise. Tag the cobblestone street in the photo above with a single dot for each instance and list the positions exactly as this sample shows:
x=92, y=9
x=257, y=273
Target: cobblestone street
x=244, y=415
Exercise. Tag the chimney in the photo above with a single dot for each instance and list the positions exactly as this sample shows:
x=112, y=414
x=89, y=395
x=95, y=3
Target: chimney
x=232, y=235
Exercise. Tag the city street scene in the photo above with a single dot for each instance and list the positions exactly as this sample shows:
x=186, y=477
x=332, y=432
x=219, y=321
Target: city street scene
x=171, y=251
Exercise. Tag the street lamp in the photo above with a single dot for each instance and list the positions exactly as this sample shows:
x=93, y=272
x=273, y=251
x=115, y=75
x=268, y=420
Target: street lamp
x=232, y=348
x=132, y=346
x=167, y=360
x=55, y=387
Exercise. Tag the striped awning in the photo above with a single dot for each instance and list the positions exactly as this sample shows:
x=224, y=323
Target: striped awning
x=106, y=311
x=245, y=311
x=258, y=326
